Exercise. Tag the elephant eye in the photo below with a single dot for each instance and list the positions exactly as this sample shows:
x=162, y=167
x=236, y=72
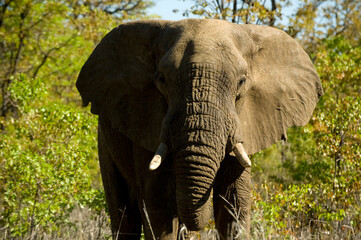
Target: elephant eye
x=160, y=82
x=160, y=78
x=241, y=80
x=241, y=86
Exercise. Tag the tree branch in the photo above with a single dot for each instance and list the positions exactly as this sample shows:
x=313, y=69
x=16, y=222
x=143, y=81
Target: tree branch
x=234, y=11
x=122, y=8
x=3, y=11
x=273, y=19
x=220, y=7
x=21, y=35
x=47, y=54
x=14, y=61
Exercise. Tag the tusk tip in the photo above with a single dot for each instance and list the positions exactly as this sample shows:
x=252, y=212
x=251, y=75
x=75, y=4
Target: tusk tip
x=155, y=163
x=241, y=155
x=244, y=160
x=157, y=159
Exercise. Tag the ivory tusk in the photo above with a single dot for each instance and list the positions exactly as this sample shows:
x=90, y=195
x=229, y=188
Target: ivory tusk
x=241, y=155
x=158, y=157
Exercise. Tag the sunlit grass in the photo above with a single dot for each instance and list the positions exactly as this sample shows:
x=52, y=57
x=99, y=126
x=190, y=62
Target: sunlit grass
x=85, y=224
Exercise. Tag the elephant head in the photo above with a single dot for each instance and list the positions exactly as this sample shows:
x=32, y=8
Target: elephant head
x=201, y=88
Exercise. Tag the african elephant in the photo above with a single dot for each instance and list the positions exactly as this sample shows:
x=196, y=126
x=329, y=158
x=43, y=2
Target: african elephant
x=198, y=95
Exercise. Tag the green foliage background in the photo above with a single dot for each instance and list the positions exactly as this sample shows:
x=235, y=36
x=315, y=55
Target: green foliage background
x=48, y=152
x=309, y=186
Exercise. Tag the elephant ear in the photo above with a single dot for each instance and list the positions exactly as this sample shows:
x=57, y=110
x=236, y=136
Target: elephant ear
x=117, y=80
x=283, y=91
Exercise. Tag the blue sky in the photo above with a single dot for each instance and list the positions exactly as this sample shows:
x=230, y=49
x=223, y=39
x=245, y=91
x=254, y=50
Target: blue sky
x=164, y=8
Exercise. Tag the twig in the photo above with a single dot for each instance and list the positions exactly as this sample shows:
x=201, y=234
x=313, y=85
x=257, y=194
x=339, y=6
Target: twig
x=51, y=203
x=32, y=222
x=183, y=231
x=47, y=54
x=347, y=226
x=121, y=221
x=239, y=229
x=147, y=217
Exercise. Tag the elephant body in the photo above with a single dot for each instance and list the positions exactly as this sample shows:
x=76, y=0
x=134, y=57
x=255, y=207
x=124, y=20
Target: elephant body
x=208, y=91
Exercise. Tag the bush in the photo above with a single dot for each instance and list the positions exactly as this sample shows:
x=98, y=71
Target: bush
x=315, y=189
x=45, y=156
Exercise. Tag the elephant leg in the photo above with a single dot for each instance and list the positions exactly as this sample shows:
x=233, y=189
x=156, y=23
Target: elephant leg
x=232, y=200
x=156, y=197
x=123, y=208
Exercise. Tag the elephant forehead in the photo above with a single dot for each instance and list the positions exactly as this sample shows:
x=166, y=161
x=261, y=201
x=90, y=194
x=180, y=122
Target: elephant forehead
x=218, y=50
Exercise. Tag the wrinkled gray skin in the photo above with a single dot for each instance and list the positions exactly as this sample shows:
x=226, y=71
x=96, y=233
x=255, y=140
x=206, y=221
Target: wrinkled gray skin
x=200, y=87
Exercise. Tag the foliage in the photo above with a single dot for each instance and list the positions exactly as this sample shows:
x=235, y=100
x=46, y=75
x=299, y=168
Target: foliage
x=302, y=211
x=51, y=39
x=48, y=155
x=319, y=191
x=44, y=160
x=257, y=12
x=316, y=20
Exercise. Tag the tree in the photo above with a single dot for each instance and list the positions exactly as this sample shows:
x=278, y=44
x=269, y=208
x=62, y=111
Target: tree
x=48, y=149
x=38, y=34
x=317, y=20
x=237, y=11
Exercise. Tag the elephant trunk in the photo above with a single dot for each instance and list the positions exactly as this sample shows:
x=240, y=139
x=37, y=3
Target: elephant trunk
x=197, y=161
x=193, y=193
x=199, y=138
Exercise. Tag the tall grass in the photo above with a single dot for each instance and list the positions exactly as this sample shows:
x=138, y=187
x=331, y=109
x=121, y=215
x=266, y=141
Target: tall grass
x=83, y=224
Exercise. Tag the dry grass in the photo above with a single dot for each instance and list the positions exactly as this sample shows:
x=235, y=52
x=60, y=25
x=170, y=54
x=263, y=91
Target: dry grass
x=84, y=224
x=315, y=230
